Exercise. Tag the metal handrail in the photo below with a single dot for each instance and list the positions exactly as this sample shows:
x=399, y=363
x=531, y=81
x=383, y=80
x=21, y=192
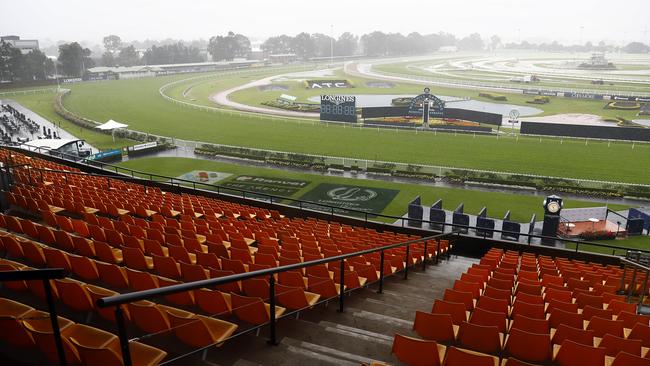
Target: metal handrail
x=245, y=194
x=45, y=275
x=118, y=300
x=187, y=286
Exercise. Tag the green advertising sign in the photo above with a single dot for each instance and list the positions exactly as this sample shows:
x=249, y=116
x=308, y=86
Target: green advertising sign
x=368, y=199
x=267, y=185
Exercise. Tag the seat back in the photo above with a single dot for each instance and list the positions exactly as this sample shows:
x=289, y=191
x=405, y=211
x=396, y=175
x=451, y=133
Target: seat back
x=436, y=327
x=577, y=335
x=481, y=316
x=455, y=309
x=416, y=352
x=572, y=353
x=519, y=344
x=479, y=338
x=458, y=357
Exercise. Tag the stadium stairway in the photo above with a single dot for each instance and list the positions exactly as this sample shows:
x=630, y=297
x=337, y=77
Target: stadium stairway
x=363, y=333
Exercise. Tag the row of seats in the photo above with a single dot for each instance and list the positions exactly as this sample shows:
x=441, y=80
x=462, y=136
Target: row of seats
x=116, y=236
x=521, y=308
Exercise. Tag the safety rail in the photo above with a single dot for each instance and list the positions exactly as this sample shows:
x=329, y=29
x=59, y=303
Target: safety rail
x=335, y=211
x=45, y=275
x=637, y=266
x=118, y=300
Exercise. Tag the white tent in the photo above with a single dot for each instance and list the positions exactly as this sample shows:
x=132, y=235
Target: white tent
x=112, y=125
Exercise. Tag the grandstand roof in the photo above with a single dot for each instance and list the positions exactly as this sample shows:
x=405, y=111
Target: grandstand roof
x=52, y=144
x=142, y=68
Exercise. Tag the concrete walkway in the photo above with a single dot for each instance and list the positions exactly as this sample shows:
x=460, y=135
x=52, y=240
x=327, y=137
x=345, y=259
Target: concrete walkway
x=24, y=133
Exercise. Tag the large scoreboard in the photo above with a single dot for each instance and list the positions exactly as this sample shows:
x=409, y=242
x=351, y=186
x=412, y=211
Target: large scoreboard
x=341, y=108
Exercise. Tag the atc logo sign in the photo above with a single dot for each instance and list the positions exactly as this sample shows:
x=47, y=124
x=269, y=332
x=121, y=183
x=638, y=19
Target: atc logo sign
x=348, y=197
x=351, y=194
x=327, y=84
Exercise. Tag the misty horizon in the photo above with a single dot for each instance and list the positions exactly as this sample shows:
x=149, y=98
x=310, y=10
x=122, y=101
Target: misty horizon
x=565, y=22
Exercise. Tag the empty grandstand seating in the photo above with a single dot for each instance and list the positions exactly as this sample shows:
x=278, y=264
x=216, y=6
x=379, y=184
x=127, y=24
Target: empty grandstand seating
x=527, y=309
x=115, y=236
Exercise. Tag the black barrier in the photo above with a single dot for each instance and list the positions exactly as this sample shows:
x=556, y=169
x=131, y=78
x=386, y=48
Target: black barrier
x=376, y=112
x=634, y=213
x=634, y=226
x=474, y=116
x=485, y=227
x=416, y=201
x=510, y=230
x=460, y=219
x=595, y=132
x=437, y=204
x=437, y=218
x=415, y=212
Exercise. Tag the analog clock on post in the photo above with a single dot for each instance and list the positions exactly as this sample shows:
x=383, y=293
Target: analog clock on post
x=552, y=207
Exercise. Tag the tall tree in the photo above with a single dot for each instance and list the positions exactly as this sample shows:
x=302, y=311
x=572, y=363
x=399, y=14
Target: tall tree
x=108, y=59
x=128, y=57
x=229, y=47
x=278, y=45
x=36, y=66
x=10, y=61
x=636, y=47
x=375, y=43
x=473, y=42
x=346, y=45
x=323, y=44
x=74, y=59
x=112, y=43
x=495, y=42
x=171, y=54
x=303, y=45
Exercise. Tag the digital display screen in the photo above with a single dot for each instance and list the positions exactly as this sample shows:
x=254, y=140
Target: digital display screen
x=341, y=108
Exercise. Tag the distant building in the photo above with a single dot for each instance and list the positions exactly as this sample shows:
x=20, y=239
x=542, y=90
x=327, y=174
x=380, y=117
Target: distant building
x=597, y=62
x=24, y=45
x=123, y=72
x=283, y=58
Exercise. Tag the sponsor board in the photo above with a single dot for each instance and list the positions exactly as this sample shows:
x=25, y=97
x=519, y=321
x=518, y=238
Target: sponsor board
x=327, y=84
x=202, y=176
x=267, y=185
x=108, y=154
x=147, y=145
x=346, y=197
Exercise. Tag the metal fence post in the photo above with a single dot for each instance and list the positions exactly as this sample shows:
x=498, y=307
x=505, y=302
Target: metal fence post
x=124, y=340
x=632, y=285
x=621, y=289
x=645, y=288
x=381, y=273
x=342, y=286
x=406, y=267
x=272, y=337
x=424, y=261
x=54, y=321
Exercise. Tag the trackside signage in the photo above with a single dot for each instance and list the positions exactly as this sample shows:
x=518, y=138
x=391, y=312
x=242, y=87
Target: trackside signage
x=368, y=199
x=327, y=84
x=267, y=185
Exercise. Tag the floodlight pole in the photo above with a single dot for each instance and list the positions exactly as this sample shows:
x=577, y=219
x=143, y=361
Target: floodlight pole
x=331, y=44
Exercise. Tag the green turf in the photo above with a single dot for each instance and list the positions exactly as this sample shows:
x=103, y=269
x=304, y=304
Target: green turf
x=521, y=206
x=42, y=103
x=137, y=103
x=633, y=242
x=452, y=72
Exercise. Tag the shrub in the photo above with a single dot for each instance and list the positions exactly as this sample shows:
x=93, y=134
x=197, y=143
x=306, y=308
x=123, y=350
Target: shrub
x=498, y=97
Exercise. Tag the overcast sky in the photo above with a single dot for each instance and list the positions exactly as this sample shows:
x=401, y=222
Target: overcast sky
x=70, y=20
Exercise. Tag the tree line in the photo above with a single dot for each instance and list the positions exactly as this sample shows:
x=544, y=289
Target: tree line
x=73, y=59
